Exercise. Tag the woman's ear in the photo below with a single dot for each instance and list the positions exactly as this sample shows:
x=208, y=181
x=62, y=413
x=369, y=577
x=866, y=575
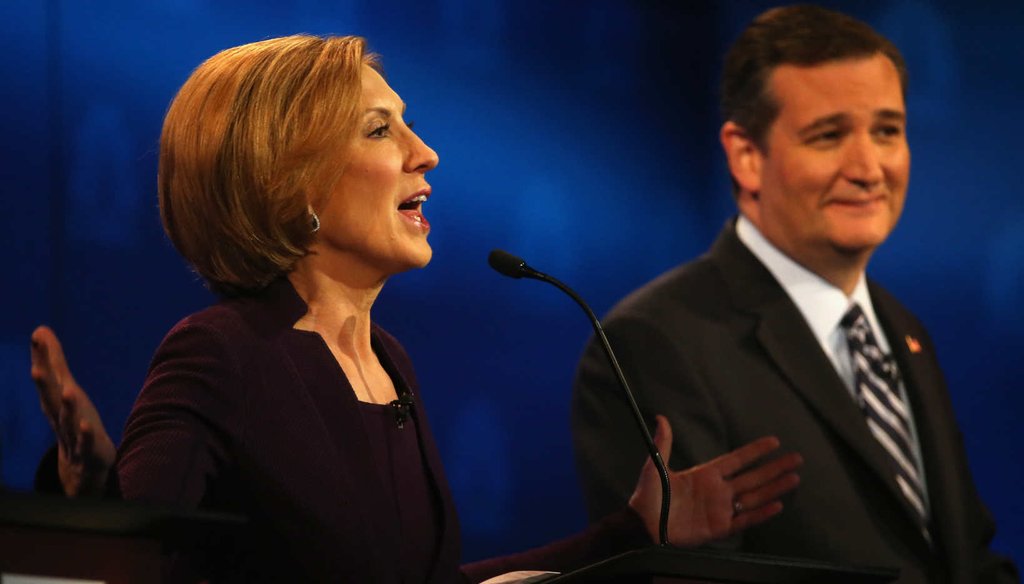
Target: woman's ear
x=744, y=158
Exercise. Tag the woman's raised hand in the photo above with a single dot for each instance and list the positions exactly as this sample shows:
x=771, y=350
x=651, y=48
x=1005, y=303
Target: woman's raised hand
x=718, y=498
x=86, y=453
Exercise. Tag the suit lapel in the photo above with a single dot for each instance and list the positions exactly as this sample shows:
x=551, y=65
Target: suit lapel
x=924, y=386
x=334, y=422
x=794, y=350
x=449, y=552
x=790, y=344
x=792, y=347
x=361, y=491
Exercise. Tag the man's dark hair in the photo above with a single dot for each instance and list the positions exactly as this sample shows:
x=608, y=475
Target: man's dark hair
x=799, y=35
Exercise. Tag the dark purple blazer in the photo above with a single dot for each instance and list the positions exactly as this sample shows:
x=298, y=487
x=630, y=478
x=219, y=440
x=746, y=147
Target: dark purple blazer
x=241, y=412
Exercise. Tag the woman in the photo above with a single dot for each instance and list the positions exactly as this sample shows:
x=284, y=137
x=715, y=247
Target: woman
x=292, y=184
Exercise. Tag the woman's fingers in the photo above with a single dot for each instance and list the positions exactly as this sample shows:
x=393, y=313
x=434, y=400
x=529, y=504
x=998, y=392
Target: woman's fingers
x=44, y=336
x=766, y=493
x=68, y=424
x=764, y=473
x=43, y=374
x=754, y=516
x=757, y=491
x=86, y=453
x=646, y=498
x=54, y=383
x=735, y=461
x=663, y=437
x=86, y=439
x=757, y=487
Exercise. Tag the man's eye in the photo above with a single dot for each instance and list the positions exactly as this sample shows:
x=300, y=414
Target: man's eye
x=889, y=131
x=380, y=131
x=826, y=137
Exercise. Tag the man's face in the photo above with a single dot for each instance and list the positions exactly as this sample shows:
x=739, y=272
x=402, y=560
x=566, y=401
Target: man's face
x=832, y=180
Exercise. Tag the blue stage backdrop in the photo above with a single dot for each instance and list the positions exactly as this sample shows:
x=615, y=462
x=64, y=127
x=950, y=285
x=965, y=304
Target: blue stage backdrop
x=581, y=135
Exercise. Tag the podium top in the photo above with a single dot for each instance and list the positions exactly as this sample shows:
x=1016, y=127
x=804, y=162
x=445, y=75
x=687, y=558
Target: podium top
x=169, y=525
x=716, y=566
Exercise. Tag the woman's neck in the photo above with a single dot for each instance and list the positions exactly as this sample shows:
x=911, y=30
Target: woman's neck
x=338, y=306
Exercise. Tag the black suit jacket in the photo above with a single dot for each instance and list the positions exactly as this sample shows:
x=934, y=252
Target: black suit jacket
x=720, y=349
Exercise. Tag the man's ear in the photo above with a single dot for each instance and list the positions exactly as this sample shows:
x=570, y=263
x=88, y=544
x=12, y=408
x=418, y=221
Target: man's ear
x=744, y=157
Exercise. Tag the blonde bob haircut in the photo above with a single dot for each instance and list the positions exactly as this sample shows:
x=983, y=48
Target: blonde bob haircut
x=255, y=138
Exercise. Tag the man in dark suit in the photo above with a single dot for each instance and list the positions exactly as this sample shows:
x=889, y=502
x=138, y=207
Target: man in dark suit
x=778, y=331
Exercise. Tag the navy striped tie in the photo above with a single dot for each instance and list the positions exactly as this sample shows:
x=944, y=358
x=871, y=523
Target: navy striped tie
x=876, y=383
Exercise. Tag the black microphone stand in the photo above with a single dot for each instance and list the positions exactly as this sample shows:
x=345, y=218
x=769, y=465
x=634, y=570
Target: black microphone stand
x=514, y=267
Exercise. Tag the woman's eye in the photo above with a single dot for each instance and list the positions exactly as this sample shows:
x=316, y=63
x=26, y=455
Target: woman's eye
x=380, y=131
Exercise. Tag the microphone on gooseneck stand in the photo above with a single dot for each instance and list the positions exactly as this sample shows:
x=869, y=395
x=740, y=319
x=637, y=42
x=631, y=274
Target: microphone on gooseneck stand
x=514, y=267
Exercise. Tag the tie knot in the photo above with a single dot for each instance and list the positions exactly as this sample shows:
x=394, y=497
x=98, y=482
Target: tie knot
x=853, y=317
x=858, y=330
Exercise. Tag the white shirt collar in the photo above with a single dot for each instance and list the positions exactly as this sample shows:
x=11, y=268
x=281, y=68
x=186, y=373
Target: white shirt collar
x=821, y=303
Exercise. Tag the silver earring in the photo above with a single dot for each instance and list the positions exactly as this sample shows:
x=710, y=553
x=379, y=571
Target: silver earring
x=314, y=220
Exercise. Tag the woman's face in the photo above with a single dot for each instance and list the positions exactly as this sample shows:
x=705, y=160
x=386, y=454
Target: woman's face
x=374, y=216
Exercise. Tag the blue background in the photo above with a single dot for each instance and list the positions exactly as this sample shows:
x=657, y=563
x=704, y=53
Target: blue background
x=580, y=135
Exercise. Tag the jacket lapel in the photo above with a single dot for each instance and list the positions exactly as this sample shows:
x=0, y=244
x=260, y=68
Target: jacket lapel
x=792, y=347
x=361, y=493
x=335, y=423
x=925, y=388
x=449, y=552
x=790, y=344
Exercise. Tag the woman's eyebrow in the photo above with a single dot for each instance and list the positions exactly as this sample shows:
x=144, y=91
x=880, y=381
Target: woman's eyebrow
x=378, y=110
x=382, y=110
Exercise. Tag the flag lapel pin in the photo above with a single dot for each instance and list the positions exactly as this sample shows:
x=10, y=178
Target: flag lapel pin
x=913, y=344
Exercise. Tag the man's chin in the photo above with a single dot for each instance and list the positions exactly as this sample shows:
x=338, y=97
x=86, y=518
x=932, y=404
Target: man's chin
x=860, y=238
x=856, y=248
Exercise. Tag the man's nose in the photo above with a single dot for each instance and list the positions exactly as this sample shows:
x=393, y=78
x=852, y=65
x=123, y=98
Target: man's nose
x=862, y=161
